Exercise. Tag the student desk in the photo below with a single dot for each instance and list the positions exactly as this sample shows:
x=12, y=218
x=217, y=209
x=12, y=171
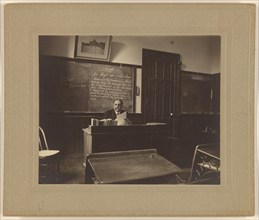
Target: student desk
x=129, y=167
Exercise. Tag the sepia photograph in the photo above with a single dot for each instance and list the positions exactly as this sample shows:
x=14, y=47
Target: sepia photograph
x=95, y=129
x=129, y=110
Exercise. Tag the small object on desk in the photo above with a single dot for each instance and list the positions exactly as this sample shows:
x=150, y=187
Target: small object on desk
x=155, y=123
x=137, y=166
x=103, y=122
x=94, y=122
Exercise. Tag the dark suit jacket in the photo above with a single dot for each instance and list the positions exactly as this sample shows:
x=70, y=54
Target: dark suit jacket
x=111, y=114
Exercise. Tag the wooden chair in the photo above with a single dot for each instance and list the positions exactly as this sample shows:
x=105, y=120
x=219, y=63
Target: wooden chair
x=48, y=160
x=205, y=165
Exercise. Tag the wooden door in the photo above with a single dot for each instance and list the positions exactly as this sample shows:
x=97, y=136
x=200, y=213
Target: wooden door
x=160, y=80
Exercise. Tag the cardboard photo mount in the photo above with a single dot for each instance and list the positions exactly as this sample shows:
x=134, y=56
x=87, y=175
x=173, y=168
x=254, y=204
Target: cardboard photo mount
x=234, y=23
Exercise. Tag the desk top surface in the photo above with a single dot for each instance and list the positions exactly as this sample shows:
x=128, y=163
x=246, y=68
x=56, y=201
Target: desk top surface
x=125, y=166
x=137, y=128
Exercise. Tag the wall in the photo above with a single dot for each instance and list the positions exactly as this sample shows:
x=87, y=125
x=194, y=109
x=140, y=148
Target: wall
x=199, y=53
x=215, y=65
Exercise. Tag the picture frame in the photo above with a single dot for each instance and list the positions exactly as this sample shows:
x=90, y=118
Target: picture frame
x=93, y=47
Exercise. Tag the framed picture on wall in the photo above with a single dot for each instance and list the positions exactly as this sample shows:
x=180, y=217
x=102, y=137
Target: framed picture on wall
x=93, y=47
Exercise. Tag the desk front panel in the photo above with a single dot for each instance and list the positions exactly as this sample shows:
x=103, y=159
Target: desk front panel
x=123, y=139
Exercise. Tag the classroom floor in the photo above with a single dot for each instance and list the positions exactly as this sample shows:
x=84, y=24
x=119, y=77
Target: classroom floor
x=72, y=171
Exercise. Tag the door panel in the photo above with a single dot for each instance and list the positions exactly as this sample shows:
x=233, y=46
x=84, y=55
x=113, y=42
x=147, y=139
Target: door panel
x=160, y=75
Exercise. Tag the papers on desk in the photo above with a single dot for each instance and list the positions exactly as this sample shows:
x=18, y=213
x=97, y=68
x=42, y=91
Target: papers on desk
x=121, y=118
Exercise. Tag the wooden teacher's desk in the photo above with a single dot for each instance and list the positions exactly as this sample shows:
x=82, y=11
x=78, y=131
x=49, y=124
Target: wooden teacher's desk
x=121, y=138
x=129, y=167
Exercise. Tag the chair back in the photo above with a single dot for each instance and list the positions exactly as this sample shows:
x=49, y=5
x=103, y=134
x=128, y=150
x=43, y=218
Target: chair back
x=42, y=140
x=206, y=163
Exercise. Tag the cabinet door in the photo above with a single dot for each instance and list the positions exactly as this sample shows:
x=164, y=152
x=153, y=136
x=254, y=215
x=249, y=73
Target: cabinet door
x=160, y=76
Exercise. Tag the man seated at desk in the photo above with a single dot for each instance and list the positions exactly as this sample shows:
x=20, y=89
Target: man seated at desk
x=116, y=112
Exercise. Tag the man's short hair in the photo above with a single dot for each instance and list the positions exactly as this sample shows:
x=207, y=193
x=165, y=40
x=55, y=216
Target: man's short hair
x=118, y=100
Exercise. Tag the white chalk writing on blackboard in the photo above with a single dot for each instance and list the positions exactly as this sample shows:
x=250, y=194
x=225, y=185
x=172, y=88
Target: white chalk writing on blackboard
x=111, y=85
x=73, y=85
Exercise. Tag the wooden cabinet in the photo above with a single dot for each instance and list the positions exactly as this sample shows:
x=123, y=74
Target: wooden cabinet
x=199, y=93
x=195, y=93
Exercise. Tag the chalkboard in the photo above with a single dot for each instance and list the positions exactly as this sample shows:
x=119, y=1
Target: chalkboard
x=70, y=86
x=195, y=92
